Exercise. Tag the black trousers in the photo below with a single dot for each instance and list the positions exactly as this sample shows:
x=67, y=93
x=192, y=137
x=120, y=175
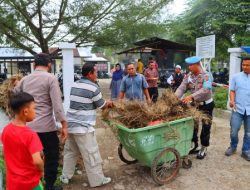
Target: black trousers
x=153, y=93
x=50, y=143
x=205, y=132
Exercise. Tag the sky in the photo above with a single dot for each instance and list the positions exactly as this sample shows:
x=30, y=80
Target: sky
x=173, y=9
x=177, y=6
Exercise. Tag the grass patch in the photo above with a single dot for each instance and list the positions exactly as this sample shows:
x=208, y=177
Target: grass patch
x=57, y=182
x=59, y=173
x=2, y=172
x=220, y=97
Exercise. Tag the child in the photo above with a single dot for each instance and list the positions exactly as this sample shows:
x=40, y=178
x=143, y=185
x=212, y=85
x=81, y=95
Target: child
x=22, y=146
x=207, y=82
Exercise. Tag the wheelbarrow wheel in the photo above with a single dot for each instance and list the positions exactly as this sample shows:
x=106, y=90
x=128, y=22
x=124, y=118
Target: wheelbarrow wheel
x=186, y=163
x=126, y=159
x=165, y=166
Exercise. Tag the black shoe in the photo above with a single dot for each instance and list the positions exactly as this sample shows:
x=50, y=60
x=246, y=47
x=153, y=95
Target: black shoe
x=202, y=153
x=194, y=149
x=54, y=188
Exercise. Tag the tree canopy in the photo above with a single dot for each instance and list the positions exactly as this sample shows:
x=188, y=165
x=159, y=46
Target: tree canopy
x=42, y=23
x=227, y=19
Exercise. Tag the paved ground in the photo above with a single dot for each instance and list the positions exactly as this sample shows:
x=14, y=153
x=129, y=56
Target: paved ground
x=215, y=172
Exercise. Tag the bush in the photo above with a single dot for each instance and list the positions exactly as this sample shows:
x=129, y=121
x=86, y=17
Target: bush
x=220, y=97
x=3, y=172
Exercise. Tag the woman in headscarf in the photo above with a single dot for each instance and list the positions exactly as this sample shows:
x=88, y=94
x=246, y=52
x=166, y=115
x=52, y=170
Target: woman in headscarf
x=116, y=81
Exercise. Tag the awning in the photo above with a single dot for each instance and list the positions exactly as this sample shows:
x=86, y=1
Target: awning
x=157, y=44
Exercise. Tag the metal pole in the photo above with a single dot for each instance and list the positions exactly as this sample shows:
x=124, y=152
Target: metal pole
x=11, y=70
x=54, y=62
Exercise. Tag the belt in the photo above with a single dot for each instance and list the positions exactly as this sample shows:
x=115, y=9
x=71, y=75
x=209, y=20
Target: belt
x=206, y=102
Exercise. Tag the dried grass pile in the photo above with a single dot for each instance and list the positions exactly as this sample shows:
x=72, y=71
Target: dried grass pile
x=136, y=114
x=5, y=90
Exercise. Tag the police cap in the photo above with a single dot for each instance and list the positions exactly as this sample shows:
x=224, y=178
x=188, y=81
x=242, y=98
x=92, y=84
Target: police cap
x=192, y=60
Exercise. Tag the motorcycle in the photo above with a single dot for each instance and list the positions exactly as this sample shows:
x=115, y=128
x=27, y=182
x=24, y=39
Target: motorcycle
x=163, y=76
x=60, y=80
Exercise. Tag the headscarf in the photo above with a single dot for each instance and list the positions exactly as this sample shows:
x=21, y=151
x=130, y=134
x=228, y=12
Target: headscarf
x=117, y=74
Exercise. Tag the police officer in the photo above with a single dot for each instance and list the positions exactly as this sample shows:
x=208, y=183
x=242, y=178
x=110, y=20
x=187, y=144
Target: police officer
x=201, y=93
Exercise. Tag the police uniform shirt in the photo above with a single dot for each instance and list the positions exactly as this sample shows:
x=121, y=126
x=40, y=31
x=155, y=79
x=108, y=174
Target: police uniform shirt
x=196, y=85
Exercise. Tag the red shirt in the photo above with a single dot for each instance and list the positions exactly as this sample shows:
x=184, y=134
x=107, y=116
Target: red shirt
x=19, y=144
x=149, y=74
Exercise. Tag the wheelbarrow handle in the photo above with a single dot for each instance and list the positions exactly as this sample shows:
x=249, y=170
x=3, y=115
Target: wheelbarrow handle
x=108, y=122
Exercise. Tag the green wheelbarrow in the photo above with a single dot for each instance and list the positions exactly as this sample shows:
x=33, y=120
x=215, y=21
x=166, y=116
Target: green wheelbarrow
x=163, y=147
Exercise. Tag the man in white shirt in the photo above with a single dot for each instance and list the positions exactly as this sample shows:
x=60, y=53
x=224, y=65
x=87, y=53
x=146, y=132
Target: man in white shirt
x=175, y=79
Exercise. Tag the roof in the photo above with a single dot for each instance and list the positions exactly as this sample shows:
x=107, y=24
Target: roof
x=94, y=58
x=156, y=43
x=14, y=52
x=54, y=49
x=85, y=51
x=101, y=55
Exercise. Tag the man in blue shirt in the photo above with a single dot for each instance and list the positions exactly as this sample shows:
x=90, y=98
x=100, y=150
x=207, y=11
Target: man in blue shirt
x=240, y=104
x=134, y=85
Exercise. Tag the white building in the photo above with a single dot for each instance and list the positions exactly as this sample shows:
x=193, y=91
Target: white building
x=17, y=61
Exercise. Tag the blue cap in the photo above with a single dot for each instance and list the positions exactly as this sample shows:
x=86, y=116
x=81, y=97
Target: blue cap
x=192, y=60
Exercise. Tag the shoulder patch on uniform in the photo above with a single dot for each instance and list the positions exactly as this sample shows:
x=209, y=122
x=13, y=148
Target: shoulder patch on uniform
x=200, y=78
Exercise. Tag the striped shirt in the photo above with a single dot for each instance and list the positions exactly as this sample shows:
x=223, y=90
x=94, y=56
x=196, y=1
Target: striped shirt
x=85, y=98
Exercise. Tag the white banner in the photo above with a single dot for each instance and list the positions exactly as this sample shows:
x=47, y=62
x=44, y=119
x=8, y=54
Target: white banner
x=205, y=47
